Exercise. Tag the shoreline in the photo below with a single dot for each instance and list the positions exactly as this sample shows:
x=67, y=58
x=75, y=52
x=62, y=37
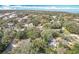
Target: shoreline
x=40, y=11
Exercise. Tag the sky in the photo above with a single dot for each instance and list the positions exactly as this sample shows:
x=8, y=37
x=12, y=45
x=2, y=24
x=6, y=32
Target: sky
x=39, y=2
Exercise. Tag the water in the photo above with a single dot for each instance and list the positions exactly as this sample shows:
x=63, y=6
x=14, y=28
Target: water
x=61, y=8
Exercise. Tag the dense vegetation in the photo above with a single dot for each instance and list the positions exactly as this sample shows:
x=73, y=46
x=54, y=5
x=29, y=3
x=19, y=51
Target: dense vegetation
x=39, y=32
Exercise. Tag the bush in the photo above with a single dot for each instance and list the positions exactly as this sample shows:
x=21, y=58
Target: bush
x=4, y=42
x=35, y=20
x=23, y=48
x=1, y=35
x=74, y=50
x=50, y=50
x=32, y=33
x=47, y=25
x=2, y=47
x=38, y=45
x=35, y=46
x=6, y=39
x=56, y=25
x=46, y=34
x=56, y=33
x=21, y=35
x=72, y=27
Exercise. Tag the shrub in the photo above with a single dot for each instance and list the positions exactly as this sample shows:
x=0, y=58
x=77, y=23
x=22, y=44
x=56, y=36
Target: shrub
x=21, y=35
x=50, y=50
x=32, y=33
x=74, y=50
x=72, y=27
x=56, y=33
x=1, y=35
x=46, y=34
x=35, y=46
x=56, y=25
x=6, y=39
x=47, y=25
x=35, y=20
x=23, y=48
x=4, y=42
x=38, y=45
x=2, y=47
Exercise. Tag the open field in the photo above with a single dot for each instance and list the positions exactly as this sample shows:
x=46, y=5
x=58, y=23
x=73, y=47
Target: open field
x=37, y=32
